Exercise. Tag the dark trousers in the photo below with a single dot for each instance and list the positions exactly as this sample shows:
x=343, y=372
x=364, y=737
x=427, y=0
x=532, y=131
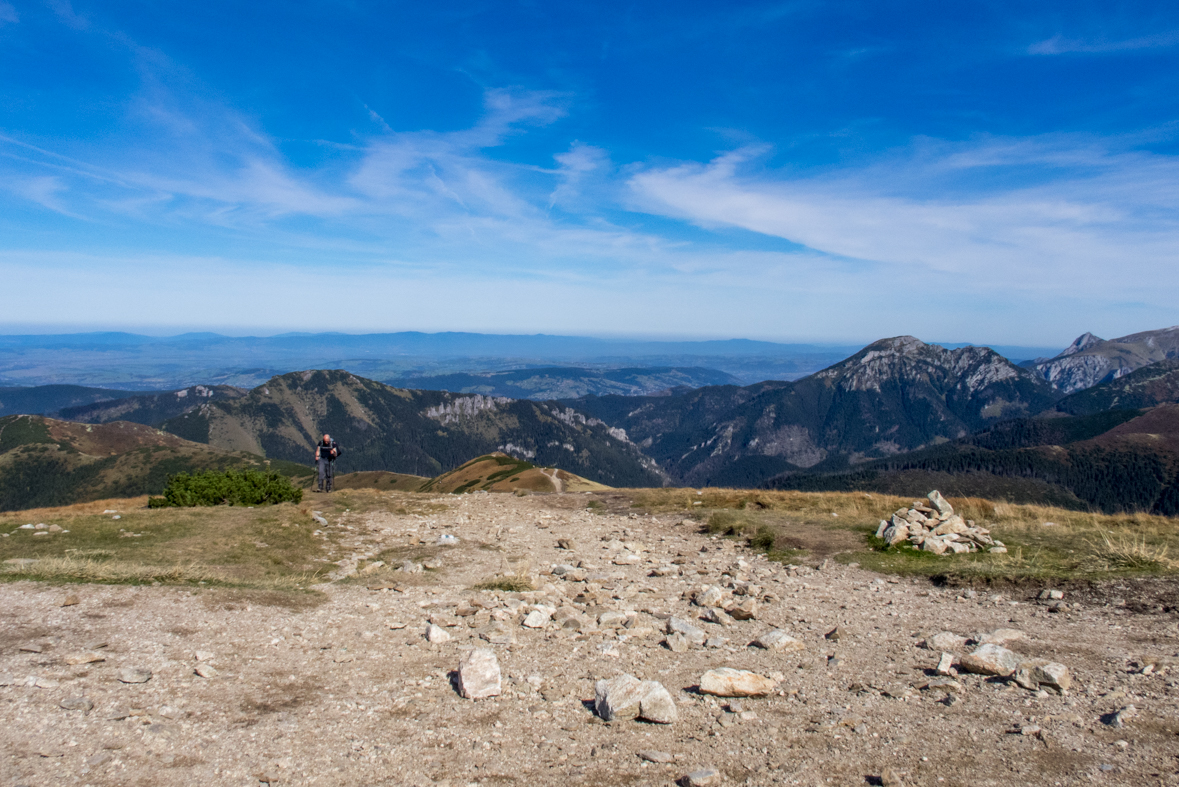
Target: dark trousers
x=326, y=471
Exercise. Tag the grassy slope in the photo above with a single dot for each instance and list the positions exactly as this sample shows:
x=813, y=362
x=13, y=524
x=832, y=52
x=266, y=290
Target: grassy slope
x=45, y=462
x=275, y=547
x=1075, y=546
x=501, y=473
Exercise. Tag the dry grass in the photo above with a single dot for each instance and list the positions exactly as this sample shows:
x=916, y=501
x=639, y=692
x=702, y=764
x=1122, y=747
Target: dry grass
x=71, y=569
x=1043, y=542
x=511, y=584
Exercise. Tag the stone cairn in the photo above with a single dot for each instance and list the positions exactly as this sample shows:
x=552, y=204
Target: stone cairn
x=934, y=527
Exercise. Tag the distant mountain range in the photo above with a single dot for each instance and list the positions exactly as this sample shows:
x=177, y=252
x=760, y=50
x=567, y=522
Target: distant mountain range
x=1089, y=360
x=414, y=432
x=42, y=399
x=899, y=414
x=893, y=396
x=150, y=408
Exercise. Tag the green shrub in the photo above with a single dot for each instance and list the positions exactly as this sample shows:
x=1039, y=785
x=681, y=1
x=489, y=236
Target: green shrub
x=764, y=538
x=231, y=487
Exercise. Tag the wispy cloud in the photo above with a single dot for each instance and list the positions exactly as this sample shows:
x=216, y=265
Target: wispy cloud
x=1030, y=213
x=8, y=14
x=1060, y=45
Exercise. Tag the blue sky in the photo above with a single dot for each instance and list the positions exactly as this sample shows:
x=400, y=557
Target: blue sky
x=818, y=171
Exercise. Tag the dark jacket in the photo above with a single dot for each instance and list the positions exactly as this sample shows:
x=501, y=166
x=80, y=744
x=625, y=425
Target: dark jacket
x=325, y=450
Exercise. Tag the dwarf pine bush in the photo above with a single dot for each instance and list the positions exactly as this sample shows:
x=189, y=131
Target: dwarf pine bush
x=231, y=487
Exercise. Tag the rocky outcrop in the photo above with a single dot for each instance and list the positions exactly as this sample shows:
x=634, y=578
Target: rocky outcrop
x=1089, y=361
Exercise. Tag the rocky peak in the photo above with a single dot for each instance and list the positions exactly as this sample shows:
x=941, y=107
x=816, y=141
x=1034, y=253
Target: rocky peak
x=1103, y=361
x=1082, y=342
x=909, y=358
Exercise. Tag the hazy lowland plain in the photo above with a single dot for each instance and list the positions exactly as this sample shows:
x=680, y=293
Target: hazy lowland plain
x=879, y=638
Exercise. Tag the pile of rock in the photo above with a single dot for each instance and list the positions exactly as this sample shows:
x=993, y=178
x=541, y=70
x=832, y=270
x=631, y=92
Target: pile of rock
x=934, y=527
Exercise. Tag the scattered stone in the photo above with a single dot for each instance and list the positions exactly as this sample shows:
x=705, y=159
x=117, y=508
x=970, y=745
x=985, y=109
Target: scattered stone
x=1051, y=595
x=945, y=665
x=946, y=641
x=612, y=619
x=778, y=640
x=746, y=609
x=436, y=634
x=204, y=655
x=709, y=596
x=77, y=703
x=70, y=600
x=990, y=660
x=84, y=658
x=728, y=682
x=662, y=757
x=566, y=543
x=626, y=697
x=1002, y=637
x=891, y=778
x=1036, y=675
x=536, y=619
x=410, y=567
x=205, y=671
x=705, y=777
x=479, y=675
x=498, y=634
x=677, y=643
x=134, y=675
x=1119, y=718
x=832, y=635
x=691, y=633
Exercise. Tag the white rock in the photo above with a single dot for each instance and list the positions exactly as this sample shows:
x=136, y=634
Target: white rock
x=536, y=619
x=779, y=640
x=618, y=698
x=134, y=675
x=479, y=675
x=626, y=697
x=990, y=660
x=945, y=665
x=436, y=634
x=728, y=682
x=946, y=640
x=940, y=504
x=705, y=777
x=709, y=596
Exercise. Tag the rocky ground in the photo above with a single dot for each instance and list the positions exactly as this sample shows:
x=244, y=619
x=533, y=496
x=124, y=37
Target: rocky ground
x=163, y=685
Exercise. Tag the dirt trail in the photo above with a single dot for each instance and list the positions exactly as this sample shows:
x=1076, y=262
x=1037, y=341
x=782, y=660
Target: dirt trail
x=558, y=484
x=348, y=692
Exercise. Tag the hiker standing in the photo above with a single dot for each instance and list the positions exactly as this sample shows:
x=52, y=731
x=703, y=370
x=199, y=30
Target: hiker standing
x=326, y=452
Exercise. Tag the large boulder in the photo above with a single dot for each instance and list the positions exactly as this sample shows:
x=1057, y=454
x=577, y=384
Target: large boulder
x=627, y=697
